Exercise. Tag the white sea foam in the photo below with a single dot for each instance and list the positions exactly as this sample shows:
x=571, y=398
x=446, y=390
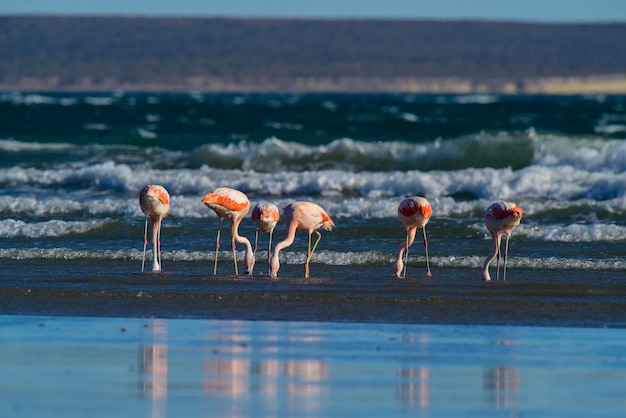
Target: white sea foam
x=610, y=129
x=11, y=228
x=473, y=151
x=35, y=99
x=68, y=254
x=548, y=263
x=476, y=99
x=10, y=145
x=100, y=100
x=611, y=123
x=345, y=154
x=577, y=232
x=537, y=189
x=96, y=127
x=586, y=154
x=26, y=205
x=367, y=258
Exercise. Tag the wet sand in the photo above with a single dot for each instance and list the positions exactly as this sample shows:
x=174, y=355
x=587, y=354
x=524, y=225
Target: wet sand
x=74, y=367
x=565, y=298
x=75, y=341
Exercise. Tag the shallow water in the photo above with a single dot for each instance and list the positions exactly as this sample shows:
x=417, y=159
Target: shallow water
x=51, y=366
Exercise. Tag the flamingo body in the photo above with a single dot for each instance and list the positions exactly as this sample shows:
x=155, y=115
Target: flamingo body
x=304, y=216
x=154, y=201
x=414, y=212
x=500, y=218
x=265, y=216
x=233, y=205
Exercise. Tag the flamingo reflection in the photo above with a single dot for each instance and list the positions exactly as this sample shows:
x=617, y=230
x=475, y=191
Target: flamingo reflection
x=413, y=386
x=154, y=363
x=502, y=385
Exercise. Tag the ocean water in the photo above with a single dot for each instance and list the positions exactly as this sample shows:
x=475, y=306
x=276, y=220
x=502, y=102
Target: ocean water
x=72, y=166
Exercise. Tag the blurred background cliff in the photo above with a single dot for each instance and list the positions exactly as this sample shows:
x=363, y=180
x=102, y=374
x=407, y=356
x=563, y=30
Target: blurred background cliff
x=103, y=53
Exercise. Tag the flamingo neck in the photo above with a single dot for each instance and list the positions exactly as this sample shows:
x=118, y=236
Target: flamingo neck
x=410, y=238
x=249, y=255
x=156, y=227
x=275, y=262
x=495, y=240
x=411, y=232
x=291, y=236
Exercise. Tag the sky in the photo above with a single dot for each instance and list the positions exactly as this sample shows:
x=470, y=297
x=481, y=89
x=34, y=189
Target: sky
x=513, y=10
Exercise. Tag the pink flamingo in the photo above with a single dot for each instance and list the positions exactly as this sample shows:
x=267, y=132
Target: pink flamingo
x=234, y=205
x=500, y=218
x=155, y=203
x=301, y=215
x=265, y=216
x=414, y=212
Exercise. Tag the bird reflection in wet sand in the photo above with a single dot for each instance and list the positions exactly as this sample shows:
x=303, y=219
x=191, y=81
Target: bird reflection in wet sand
x=502, y=385
x=413, y=387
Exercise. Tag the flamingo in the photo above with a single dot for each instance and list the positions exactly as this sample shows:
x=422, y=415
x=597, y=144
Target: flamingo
x=301, y=215
x=234, y=205
x=500, y=218
x=155, y=203
x=265, y=216
x=414, y=212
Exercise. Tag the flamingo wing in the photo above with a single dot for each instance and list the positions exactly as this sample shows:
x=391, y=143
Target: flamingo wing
x=154, y=200
x=226, y=202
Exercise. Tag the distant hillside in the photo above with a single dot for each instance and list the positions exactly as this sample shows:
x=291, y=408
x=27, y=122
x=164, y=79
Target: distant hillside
x=93, y=53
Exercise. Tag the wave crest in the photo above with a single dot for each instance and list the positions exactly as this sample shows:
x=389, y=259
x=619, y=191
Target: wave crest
x=12, y=228
x=274, y=155
x=373, y=259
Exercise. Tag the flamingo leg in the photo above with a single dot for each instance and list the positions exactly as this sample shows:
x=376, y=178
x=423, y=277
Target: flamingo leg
x=269, y=247
x=308, y=257
x=406, y=255
x=145, y=244
x=156, y=252
x=310, y=253
x=217, y=247
x=428, y=273
x=256, y=241
x=159, y=243
x=506, y=255
x=232, y=243
x=319, y=237
x=498, y=253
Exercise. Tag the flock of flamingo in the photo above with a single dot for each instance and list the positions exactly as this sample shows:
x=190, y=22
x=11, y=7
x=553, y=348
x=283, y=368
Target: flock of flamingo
x=414, y=212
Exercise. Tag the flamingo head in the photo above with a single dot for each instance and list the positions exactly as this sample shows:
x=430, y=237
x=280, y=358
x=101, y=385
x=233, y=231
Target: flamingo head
x=516, y=212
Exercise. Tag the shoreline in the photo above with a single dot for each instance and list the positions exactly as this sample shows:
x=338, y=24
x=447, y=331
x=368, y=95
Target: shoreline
x=615, y=84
